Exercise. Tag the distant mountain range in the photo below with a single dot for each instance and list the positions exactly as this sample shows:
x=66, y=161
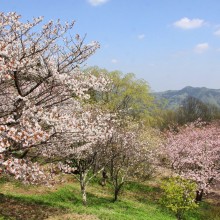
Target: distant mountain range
x=174, y=98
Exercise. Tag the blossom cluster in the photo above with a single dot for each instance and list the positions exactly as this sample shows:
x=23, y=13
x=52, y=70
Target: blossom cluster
x=41, y=95
x=194, y=152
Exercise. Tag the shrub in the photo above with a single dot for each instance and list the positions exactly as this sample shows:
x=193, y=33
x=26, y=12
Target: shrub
x=179, y=195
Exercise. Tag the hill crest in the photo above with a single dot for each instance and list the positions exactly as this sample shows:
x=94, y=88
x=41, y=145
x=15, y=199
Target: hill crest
x=174, y=98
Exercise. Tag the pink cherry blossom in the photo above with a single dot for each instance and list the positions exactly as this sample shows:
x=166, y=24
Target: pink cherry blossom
x=194, y=152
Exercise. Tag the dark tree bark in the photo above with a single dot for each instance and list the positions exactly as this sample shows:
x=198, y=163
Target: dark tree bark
x=117, y=190
x=199, y=195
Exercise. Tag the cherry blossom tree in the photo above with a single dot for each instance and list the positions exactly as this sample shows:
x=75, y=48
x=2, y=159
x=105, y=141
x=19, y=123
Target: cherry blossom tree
x=82, y=146
x=131, y=154
x=193, y=151
x=43, y=108
x=40, y=90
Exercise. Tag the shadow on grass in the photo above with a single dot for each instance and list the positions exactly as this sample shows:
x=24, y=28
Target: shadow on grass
x=207, y=210
x=93, y=200
x=143, y=188
x=19, y=209
x=68, y=200
x=144, y=193
x=28, y=207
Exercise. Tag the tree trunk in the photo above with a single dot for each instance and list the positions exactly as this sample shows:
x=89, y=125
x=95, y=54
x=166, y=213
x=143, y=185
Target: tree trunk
x=83, y=187
x=179, y=214
x=199, y=194
x=83, y=191
x=104, y=178
x=117, y=189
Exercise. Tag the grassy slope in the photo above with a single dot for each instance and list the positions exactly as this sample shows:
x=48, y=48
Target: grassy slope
x=138, y=201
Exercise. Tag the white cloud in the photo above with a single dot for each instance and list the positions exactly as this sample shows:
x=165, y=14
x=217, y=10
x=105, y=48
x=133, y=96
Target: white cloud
x=186, y=23
x=201, y=48
x=97, y=2
x=217, y=33
x=141, y=36
x=114, y=61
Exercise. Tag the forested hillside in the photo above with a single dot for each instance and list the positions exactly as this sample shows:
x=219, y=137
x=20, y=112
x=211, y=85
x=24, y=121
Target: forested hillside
x=173, y=98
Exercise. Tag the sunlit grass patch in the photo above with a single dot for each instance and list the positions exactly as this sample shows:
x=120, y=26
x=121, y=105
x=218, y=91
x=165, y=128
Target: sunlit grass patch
x=138, y=201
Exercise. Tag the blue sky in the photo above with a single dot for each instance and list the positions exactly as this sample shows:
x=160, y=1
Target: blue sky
x=169, y=43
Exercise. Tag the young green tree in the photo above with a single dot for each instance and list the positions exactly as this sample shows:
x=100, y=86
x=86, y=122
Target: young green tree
x=179, y=195
x=127, y=96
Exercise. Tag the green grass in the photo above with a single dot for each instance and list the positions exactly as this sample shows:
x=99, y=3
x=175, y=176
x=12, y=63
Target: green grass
x=137, y=201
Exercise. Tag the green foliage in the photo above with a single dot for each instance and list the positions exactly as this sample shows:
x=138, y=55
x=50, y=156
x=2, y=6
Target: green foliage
x=168, y=118
x=190, y=110
x=179, y=195
x=127, y=95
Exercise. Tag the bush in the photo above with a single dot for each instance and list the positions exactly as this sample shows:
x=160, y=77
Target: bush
x=179, y=195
